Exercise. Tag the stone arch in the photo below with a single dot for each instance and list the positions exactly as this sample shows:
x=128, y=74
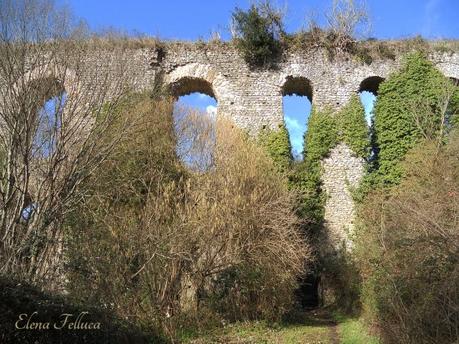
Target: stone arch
x=188, y=85
x=296, y=93
x=47, y=87
x=193, y=77
x=297, y=85
x=46, y=76
x=371, y=84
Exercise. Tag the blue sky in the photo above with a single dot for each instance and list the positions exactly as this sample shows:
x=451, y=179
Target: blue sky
x=191, y=20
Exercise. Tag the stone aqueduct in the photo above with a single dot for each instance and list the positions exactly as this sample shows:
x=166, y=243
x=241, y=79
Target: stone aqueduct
x=253, y=98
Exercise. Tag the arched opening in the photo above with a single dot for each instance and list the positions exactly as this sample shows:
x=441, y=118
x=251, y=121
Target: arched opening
x=41, y=124
x=455, y=81
x=50, y=99
x=297, y=104
x=368, y=92
x=371, y=84
x=195, y=112
x=188, y=85
x=297, y=95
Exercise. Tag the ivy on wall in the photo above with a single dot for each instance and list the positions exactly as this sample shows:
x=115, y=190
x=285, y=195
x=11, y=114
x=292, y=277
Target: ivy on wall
x=326, y=128
x=277, y=144
x=322, y=135
x=410, y=106
x=353, y=127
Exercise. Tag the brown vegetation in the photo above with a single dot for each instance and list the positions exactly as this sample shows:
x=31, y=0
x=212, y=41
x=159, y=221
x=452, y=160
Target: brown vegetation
x=46, y=152
x=167, y=241
x=408, y=249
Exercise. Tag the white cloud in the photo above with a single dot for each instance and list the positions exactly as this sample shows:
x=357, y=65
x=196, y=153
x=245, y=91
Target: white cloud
x=296, y=131
x=292, y=123
x=211, y=111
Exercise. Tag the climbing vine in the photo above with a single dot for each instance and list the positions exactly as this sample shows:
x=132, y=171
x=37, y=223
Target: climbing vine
x=353, y=127
x=277, y=145
x=322, y=135
x=410, y=106
x=326, y=128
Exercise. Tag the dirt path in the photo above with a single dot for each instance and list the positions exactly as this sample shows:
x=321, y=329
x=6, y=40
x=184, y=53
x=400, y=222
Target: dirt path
x=305, y=327
x=326, y=319
x=334, y=336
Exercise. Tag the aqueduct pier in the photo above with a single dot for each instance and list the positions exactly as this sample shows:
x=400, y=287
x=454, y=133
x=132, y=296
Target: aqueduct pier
x=253, y=97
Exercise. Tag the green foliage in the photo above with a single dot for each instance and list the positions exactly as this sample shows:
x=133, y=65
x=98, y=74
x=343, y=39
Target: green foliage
x=325, y=130
x=258, y=31
x=322, y=135
x=353, y=331
x=305, y=179
x=407, y=242
x=277, y=144
x=354, y=128
x=409, y=107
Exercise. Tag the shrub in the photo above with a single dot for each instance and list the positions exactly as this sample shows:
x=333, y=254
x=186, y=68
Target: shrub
x=165, y=238
x=345, y=20
x=257, y=34
x=407, y=249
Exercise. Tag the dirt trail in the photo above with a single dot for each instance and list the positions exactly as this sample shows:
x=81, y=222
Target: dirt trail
x=334, y=336
x=325, y=318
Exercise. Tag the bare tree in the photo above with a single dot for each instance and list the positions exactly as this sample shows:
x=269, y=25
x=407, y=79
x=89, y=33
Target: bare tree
x=435, y=121
x=348, y=18
x=58, y=95
x=345, y=22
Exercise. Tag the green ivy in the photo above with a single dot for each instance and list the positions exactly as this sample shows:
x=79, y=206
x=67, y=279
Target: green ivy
x=409, y=107
x=278, y=146
x=322, y=135
x=326, y=128
x=353, y=127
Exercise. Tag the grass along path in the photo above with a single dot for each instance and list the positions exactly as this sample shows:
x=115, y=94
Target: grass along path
x=315, y=327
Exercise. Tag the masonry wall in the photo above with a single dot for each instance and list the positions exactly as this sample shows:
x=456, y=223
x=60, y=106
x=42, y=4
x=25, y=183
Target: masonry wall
x=253, y=99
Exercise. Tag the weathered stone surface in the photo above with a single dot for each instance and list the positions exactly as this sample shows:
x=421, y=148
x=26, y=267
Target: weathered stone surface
x=342, y=171
x=253, y=99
